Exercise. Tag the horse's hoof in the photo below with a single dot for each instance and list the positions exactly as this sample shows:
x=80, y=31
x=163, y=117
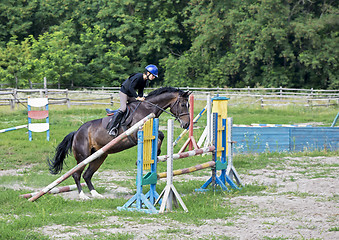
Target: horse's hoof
x=82, y=196
x=95, y=194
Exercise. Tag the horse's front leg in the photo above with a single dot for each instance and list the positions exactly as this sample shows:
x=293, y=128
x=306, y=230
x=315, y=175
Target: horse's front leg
x=92, y=168
x=160, y=138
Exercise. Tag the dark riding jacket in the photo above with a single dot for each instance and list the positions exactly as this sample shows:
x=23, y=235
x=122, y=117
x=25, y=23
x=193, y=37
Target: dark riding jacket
x=133, y=83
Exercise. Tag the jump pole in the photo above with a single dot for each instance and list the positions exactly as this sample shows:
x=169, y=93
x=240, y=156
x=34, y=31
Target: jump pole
x=94, y=156
x=195, y=120
x=13, y=128
x=187, y=154
x=207, y=133
x=188, y=170
x=335, y=120
x=55, y=190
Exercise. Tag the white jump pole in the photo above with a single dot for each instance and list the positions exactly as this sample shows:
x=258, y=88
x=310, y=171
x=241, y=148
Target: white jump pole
x=13, y=128
x=207, y=133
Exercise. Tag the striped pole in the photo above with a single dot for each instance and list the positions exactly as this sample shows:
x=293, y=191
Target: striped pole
x=188, y=170
x=13, y=128
x=187, y=154
x=55, y=190
x=94, y=156
x=335, y=120
x=195, y=120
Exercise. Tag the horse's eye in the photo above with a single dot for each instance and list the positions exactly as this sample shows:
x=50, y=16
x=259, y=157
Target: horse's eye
x=183, y=105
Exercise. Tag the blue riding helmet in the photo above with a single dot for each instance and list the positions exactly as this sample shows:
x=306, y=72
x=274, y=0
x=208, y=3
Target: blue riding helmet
x=152, y=69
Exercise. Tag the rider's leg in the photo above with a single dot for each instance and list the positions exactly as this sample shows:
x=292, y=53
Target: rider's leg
x=112, y=126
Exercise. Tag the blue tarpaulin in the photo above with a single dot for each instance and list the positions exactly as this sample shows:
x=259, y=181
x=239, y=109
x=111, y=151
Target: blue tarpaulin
x=279, y=139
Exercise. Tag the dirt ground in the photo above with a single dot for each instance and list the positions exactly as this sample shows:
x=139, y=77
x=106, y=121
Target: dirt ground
x=301, y=202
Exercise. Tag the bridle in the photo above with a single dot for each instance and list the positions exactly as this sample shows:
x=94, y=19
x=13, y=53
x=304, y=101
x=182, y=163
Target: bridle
x=180, y=114
x=176, y=115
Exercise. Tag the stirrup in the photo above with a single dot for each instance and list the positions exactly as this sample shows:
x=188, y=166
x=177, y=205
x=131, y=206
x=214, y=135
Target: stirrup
x=113, y=132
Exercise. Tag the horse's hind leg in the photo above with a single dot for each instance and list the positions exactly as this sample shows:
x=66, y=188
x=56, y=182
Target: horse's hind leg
x=160, y=138
x=80, y=153
x=92, y=168
x=76, y=176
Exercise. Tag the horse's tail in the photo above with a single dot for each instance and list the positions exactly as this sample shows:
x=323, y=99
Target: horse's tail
x=63, y=149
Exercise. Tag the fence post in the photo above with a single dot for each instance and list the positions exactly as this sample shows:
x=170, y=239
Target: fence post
x=67, y=99
x=45, y=86
x=15, y=95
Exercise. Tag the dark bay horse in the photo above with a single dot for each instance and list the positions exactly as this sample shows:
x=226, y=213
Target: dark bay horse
x=92, y=135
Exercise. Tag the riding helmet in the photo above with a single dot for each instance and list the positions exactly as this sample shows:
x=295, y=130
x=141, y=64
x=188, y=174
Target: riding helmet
x=152, y=69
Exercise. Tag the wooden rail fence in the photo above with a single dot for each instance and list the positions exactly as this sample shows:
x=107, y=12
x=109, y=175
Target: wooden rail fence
x=106, y=95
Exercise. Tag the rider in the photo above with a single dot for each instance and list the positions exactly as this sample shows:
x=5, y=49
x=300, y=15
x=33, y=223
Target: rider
x=136, y=81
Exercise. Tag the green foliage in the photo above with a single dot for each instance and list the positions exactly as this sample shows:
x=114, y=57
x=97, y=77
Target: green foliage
x=197, y=43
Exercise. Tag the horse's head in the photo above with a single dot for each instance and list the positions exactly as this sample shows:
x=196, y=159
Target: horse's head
x=175, y=99
x=180, y=109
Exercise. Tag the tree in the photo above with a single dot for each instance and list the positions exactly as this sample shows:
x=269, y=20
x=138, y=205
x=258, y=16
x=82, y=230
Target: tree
x=14, y=68
x=57, y=59
x=103, y=64
x=259, y=43
x=16, y=19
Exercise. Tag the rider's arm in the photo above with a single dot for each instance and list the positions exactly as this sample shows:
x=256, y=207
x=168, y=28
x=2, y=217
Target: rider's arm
x=136, y=82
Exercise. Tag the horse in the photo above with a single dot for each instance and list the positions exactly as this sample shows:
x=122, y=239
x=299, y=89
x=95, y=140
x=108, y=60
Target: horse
x=92, y=135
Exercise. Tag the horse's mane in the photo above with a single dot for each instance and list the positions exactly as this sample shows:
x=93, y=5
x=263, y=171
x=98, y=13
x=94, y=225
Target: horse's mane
x=162, y=90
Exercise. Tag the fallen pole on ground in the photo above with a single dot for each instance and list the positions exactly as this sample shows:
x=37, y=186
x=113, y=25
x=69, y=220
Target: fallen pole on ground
x=13, y=128
x=55, y=190
x=94, y=156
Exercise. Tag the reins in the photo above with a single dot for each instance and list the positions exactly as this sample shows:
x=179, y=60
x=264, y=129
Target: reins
x=162, y=109
x=155, y=105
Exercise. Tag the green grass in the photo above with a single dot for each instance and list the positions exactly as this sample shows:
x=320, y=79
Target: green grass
x=334, y=229
x=20, y=219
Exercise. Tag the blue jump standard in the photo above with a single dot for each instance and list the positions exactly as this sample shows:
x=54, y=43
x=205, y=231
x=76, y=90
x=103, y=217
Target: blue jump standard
x=221, y=180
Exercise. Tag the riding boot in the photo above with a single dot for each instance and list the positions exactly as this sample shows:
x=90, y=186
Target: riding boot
x=113, y=124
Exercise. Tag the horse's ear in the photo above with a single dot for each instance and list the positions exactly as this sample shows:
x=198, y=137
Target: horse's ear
x=187, y=93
